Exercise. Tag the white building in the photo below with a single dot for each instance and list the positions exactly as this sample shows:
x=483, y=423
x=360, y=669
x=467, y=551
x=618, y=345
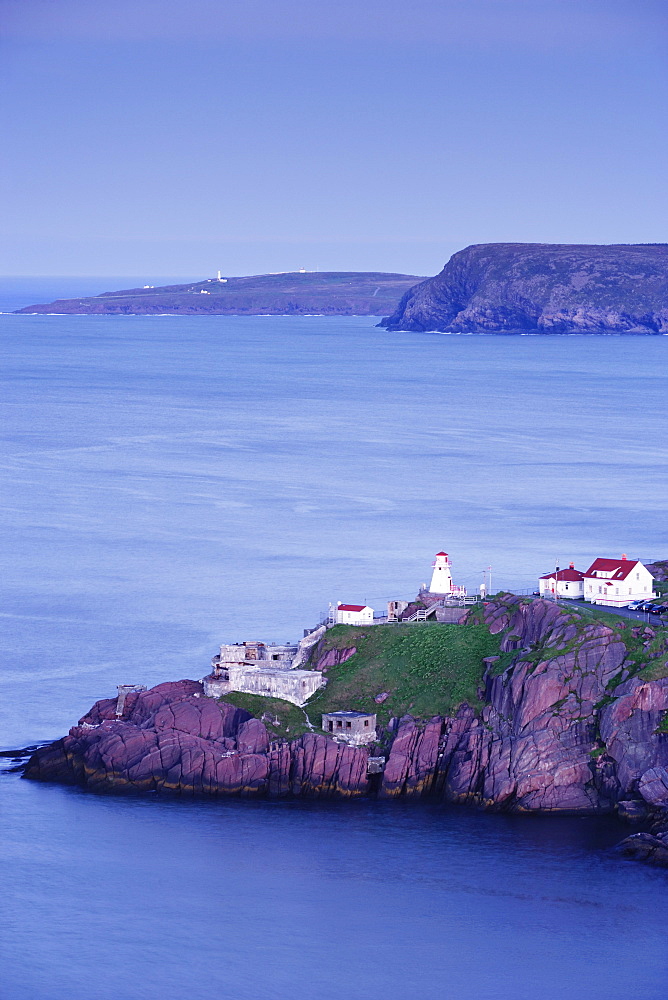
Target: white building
x=617, y=582
x=296, y=686
x=268, y=670
x=353, y=614
x=441, y=578
x=562, y=583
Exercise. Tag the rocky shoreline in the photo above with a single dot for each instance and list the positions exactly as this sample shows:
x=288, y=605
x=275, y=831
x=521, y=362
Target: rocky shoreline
x=565, y=725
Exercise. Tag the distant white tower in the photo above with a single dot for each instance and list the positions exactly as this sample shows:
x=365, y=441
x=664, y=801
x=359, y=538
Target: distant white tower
x=441, y=578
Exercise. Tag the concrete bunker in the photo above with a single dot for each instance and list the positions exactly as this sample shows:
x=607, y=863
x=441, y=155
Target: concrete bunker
x=263, y=669
x=352, y=727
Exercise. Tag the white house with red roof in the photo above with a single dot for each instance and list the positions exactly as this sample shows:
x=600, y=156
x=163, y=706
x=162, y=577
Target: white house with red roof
x=353, y=614
x=562, y=583
x=617, y=582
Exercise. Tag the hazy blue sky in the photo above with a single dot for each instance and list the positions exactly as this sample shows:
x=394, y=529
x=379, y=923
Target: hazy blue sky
x=179, y=136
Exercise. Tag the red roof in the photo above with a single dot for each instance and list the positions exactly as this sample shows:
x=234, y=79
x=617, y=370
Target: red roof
x=441, y=553
x=619, y=568
x=565, y=574
x=352, y=607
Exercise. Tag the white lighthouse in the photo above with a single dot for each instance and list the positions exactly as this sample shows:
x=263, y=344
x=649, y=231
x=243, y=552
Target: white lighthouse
x=441, y=578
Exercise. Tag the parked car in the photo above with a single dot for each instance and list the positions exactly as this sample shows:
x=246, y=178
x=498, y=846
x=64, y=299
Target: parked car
x=635, y=605
x=646, y=606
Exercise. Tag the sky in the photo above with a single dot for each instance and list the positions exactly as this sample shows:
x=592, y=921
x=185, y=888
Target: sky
x=176, y=137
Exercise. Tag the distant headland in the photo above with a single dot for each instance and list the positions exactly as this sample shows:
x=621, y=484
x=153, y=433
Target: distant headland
x=294, y=293
x=491, y=288
x=542, y=288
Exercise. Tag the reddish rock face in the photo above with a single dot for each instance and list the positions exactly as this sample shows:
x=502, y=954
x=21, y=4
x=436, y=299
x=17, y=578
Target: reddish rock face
x=324, y=768
x=411, y=768
x=251, y=736
x=172, y=739
x=528, y=749
x=629, y=728
x=531, y=748
x=653, y=786
x=333, y=657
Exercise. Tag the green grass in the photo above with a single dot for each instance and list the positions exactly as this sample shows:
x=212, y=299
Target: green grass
x=504, y=661
x=291, y=721
x=654, y=671
x=427, y=669
x=430, y=669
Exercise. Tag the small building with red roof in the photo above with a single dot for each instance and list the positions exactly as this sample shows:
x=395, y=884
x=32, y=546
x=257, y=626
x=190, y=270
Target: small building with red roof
x=562, y=583
x=617, y=582
x=353, y=614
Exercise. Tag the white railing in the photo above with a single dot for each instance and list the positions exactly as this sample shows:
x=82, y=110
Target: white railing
x=422, y=614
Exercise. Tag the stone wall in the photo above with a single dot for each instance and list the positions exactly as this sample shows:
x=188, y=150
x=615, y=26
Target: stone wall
x=295, y=686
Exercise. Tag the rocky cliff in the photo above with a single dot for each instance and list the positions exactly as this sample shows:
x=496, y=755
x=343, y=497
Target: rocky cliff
x=173, y=739
x=542, y=288
x=571, y=719
x=328, y=293
x=568, y=725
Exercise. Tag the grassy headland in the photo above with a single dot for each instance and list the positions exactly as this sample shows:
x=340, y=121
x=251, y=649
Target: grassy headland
x=430, y=669
x=329, y=293
x=425, y=669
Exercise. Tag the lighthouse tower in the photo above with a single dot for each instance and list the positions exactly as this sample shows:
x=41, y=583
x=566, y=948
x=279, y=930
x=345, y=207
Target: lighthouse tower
x=441, y=578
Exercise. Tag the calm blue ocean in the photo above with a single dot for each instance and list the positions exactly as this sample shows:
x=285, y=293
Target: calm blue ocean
x=169, y=484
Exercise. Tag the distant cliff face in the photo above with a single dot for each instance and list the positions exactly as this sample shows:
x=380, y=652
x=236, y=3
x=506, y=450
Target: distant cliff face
x=542, y=288
x=327, y=293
